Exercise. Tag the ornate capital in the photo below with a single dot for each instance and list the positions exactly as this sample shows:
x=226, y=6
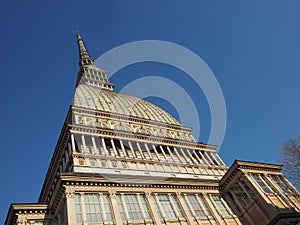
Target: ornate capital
x=148, y=194
x=21, y=221
x=178, y=194
x=69, y=193
x=112, y=194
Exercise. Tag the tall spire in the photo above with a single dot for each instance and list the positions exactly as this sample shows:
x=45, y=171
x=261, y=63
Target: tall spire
x=89, y=73
x=85, y=58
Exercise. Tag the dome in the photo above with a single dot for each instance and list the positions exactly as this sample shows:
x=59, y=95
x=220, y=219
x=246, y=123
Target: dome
x=96, y=98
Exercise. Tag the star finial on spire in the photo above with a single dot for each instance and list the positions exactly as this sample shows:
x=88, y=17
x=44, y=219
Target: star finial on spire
x=85, y=58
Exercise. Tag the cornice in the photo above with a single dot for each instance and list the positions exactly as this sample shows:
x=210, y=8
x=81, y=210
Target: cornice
x=55, y=159
x=25, y=208
x=247, y=166
x=134, y=181
x=258, y=165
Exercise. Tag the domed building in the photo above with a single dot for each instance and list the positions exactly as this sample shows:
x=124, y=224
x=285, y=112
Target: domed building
x=122, y=160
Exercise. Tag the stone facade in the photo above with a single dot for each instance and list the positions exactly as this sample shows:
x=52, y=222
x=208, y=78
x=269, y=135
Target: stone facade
x=122, y=160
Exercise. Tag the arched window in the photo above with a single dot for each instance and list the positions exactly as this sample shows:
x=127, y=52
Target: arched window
x=143, y=131
x=161, y=133
x=122, y=127
x=98, y=124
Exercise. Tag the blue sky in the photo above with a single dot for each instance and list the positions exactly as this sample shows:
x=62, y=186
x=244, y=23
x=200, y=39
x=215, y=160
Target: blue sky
x=253, y=48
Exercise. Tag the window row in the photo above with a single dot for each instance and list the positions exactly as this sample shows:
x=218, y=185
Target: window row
x=96, y=78
x=265, y=184
x=140, y=130
x=135, y=207
x=117, y=148
x=242, y=195
x=94, y=74
x=98, y=84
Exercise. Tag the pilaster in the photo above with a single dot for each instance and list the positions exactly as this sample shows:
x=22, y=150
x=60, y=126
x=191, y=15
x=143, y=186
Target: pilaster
x=185, y=209
x=152, y=208
x=70, y=201
x=212, y=209
x=115, y=207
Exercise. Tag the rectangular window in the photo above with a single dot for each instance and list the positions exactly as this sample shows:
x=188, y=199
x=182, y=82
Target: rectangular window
x=144, y=206
x=178, y=210
x=92, y=208
x=121, y=208
x=279, y=181
x=241, y=196
x=243, y=199
x=194, y=207
x=156, y=207
x=220, y=205
x=106, y=208
x=78, y=142
x=262, y=183
x=203, y=204
x=133, y=207
x=96, y=207
x=167, y=206
x=78, y=208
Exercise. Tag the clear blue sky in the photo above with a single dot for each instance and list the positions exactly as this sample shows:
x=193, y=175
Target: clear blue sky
x=253, y=48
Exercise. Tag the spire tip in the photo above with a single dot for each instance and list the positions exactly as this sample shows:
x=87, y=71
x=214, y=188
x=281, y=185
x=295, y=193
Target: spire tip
x=78, y=35
x=85, y=58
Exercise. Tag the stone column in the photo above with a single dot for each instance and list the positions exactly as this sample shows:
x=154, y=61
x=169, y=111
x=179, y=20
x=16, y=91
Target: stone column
x=156, y=153
x=102, y=206
x=73, y=143
x=262, y=194
x=70, y=201
x=131, y=148
x=184, y=209
x=147, y=149
x=114, y=147
x=140, y=150
x=115, y=207
x=155, y=216
x=213, y=210
x=84, y=218
x=123, y=149
x=104, y=146
x=178, y=156
x=184, y=155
